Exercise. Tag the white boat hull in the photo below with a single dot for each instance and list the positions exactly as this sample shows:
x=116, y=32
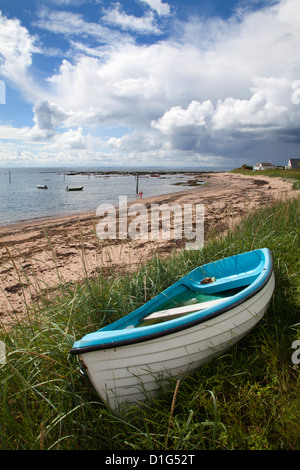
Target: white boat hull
x=129, y=374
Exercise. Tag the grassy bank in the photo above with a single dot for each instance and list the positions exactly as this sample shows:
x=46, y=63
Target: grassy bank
x=289, y=175
x=247, y=399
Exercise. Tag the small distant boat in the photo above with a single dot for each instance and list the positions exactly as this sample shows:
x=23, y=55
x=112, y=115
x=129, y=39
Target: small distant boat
x=194, y=320
x=42, y=186
x=74, y=188
x=154, y=176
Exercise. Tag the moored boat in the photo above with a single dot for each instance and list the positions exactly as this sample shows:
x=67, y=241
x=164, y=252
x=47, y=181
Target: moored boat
x=197, y=318
x=74, y=188
x=42, y=186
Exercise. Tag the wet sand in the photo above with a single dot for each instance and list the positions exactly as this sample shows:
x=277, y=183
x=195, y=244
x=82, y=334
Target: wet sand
x=38, y=255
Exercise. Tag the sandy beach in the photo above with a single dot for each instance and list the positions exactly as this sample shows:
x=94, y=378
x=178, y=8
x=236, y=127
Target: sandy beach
x=37, y=255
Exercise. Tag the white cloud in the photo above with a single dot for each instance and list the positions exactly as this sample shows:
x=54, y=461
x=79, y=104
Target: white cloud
x=266, y=114
x=72, y=147
x=71, y=24
x=17, y=147
x=138, y=141
x=145, y=24
x=184, y=120
x=76, y=139
x=16, y=49
x=71, y=139
x=67, y=2
x=9, y=132
x=162, y=9
x=50, y=122
x=136, y=84
x=47, y=117
x=212, y=88
x=127, y=89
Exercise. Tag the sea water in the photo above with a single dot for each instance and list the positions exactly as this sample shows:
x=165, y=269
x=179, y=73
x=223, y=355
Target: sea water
x=21, y=200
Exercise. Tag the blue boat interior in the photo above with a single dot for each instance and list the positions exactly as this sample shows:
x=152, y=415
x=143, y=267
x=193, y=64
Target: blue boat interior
x=232, y=278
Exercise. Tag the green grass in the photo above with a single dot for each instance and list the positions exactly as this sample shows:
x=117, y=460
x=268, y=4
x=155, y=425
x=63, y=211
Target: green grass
x=247, y=399
x=293, y=175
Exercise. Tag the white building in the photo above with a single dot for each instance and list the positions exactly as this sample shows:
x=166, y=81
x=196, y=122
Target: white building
x=293, y=164
x=264, y=166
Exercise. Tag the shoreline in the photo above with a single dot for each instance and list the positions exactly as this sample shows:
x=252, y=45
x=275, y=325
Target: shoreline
x=81, y=216
x=38, y=255
x=30, y=223
x=188, y=175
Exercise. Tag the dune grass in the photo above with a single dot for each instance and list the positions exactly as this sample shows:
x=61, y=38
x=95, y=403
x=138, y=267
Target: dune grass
x=247, y=399
x=292, y=175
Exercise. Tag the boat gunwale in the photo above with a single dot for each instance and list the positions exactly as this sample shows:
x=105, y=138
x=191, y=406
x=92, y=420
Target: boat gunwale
x=176, y=328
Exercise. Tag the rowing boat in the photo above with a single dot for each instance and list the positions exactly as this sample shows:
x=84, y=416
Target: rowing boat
x=197, y=318
x=74, y=188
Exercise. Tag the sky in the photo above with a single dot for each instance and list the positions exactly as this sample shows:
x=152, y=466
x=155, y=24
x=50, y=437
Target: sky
x=178, y=83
